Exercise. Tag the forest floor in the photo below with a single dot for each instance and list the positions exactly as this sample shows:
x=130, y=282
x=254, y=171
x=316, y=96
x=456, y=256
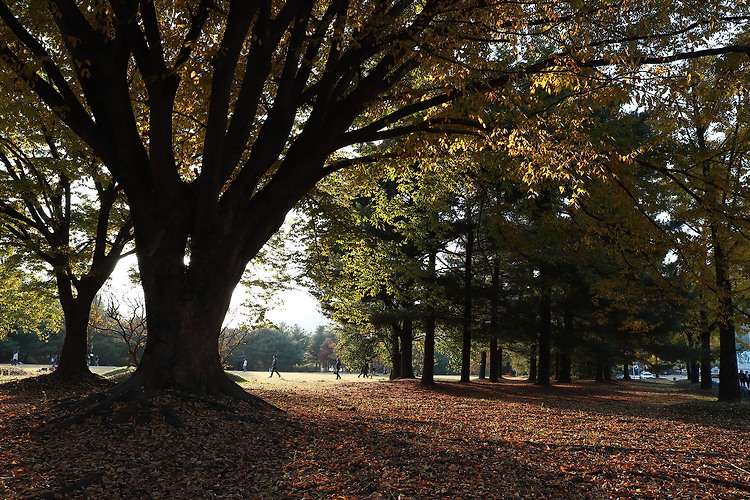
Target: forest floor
x=391, y=440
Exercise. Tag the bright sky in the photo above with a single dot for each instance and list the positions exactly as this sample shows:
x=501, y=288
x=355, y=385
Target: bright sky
x=297, y=306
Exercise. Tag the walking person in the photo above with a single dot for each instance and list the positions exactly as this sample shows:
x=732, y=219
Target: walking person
x=337, y=368
x=273, y=367
x=14, y=360
x=244, y=365
x=364, y=371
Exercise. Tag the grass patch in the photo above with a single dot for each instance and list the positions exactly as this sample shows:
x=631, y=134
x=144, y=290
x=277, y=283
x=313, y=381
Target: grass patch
x=119, y=374
x=236, y=378
x=10, y=373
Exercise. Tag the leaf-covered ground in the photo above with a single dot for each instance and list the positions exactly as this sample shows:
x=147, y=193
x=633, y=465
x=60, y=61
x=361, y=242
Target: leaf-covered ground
x=386, y=440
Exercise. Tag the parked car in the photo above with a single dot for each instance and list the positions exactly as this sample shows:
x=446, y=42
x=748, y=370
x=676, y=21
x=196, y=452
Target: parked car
x=647, y=375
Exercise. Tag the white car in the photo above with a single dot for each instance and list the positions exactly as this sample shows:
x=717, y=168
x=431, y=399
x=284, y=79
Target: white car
x=647, y=375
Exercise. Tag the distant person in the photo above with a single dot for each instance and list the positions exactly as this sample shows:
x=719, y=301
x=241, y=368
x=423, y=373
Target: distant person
x=244, y=366
x=337, y=368
x=14, y=359
x=273, y=367
x=365, y=371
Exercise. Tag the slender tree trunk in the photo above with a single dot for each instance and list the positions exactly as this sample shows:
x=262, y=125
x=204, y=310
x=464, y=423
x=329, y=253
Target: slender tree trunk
x=495, y=361
x=706, y=381
x=545, y=333
x=395, y=353
x=599, y=377
x=564, y=375
x=483, y=365
x=626, y=371
x=694, y=372
x=428, y=371
x=692, y=365
x=532, y=364
x=466, y=339
x=406, y=336
x=496, y=352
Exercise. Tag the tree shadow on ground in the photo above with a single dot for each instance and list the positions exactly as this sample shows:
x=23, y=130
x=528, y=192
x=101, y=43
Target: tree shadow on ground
x=375, y=440
x=667, y=400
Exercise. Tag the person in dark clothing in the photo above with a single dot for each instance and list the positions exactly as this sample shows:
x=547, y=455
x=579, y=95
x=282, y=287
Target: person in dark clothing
x=273, y=367
x=337, y=368
x=365, y=371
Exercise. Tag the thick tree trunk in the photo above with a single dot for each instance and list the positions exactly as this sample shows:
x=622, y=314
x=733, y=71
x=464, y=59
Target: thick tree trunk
x=76, y=306
x=184, y=324
x=186, y=301
x=729, y=381
x=626, y=371
x=545, y=333
x=72, y=363
x=76, y=309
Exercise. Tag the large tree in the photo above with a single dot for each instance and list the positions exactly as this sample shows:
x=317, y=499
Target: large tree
x=216, y=117
x=699, y=157
x=57, y=206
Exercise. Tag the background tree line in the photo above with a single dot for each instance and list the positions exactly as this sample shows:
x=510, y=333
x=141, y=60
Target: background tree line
x=640, y=263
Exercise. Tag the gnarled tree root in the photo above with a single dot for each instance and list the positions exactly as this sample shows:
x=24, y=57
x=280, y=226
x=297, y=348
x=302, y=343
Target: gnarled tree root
x=141, y=400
